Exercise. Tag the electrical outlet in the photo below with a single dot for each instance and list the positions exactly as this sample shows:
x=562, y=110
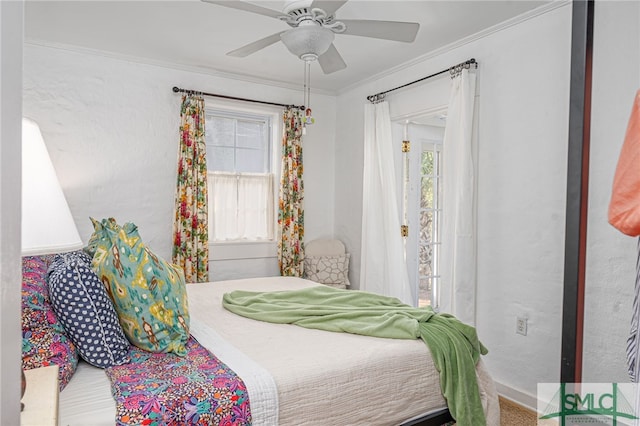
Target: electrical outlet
x=521, y=326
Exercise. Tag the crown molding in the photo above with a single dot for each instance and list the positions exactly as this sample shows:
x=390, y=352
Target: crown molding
x=174, y=66
x=546, y=8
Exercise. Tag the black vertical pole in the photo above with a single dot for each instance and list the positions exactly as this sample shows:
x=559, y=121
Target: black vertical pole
x=577, y=190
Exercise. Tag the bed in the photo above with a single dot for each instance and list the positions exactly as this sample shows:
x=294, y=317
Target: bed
x=297, y=376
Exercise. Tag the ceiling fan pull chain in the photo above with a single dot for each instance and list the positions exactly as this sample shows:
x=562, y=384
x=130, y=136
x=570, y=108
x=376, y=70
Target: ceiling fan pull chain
x=308, y=118
x=306, y=84
x=308, y=66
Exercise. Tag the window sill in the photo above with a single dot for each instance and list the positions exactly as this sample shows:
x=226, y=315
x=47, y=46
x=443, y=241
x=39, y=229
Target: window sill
x=236, y=250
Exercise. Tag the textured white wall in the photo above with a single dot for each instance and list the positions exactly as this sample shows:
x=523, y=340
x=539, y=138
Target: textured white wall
x=111, y=127
x=611, y=255
x=523, y=88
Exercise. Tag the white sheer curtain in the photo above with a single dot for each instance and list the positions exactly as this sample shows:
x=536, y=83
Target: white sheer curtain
x=458, y=254
x=241, y=206
x=383, y=268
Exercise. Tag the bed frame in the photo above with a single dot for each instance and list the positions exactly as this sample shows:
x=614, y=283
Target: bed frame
x=438, y=418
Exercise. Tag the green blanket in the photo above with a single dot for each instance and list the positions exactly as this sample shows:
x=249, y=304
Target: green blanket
x=454, y=346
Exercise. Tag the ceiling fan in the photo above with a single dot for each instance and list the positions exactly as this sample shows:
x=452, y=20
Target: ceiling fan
x=313, y=28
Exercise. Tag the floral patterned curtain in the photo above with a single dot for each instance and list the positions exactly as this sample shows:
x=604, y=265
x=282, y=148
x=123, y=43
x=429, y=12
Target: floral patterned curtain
x=291, y=209
x=190, y=227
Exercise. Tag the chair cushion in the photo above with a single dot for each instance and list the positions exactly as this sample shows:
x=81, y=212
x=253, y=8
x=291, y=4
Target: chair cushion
x=328, y=269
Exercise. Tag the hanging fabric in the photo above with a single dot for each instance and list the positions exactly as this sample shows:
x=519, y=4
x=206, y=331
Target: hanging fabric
x=458, y=261
x=291, y=198
x=624, y=207
x=244, y=210
x=190, y=227
x=632, y=340
x=624, y=215
x=383, y=269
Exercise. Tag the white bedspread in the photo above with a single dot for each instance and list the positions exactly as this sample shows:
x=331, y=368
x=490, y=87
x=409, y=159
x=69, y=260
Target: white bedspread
x=263, y=394
x=322, y=378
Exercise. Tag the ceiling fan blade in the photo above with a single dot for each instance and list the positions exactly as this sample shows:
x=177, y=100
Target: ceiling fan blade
x=387, y=30
x=329, y=6
x=247, y=7
x=331, y=61
x=250, y=48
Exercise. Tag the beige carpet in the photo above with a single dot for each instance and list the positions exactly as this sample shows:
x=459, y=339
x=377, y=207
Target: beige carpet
x=512, y=414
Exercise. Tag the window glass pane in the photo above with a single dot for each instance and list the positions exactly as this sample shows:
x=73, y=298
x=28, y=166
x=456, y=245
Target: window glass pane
x=250, y=134
x=426, y=255
x=219, y=131
x=424, y=292
x=426, y=198
x=426, y=227
x=243, y=134
x=250, y=161
x=241, y=207
x=255, y=204
x=220, y=159
x=429, y=218
x=223, y=206
x=427, y=163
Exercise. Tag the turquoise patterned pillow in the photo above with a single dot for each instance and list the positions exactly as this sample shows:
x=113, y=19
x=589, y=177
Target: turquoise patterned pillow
x=100, y=237
x=149, y=294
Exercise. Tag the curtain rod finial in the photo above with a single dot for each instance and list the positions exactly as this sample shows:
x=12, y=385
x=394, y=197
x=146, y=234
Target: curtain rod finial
x=378, y=97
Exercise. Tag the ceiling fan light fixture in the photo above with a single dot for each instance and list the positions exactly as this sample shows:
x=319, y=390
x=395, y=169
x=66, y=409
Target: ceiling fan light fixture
x=308, y=42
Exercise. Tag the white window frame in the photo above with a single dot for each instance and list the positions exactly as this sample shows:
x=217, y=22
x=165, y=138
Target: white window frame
x=245, y=249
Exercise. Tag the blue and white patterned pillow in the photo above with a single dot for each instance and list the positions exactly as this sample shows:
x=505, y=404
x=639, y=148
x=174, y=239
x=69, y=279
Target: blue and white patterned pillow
x=82, y=305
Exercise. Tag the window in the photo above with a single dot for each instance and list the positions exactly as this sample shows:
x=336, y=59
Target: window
x=430, y=218
x=422, y=206
x=240, y=164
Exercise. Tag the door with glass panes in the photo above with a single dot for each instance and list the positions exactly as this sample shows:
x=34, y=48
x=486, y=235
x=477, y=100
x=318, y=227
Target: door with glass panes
x=425, y=218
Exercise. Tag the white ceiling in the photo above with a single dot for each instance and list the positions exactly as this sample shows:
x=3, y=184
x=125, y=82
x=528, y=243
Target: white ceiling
x=195, y=34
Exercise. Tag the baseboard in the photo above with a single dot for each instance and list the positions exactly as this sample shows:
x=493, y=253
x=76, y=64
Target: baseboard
x=517, y=396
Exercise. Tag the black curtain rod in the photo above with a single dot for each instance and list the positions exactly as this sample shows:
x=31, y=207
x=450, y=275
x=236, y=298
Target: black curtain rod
x=466, y=64
x=195, y=92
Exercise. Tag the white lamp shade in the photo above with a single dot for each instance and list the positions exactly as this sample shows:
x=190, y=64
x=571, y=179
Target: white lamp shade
x=47, y=224
x=308, y=42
